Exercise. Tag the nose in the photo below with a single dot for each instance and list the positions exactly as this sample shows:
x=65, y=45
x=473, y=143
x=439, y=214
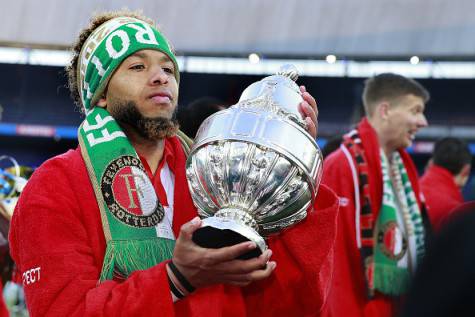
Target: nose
x=422, y=122
x=158, y=76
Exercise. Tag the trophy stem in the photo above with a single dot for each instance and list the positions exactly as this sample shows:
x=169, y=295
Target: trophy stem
x=230, y=226
x=237, y=215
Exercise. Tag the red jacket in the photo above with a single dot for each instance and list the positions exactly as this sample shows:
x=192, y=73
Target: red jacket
x=3, y=308
x=58, y=243
x=348, y=296
x=441, y=193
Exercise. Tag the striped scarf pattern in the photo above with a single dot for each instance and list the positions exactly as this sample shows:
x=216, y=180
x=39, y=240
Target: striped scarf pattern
x=370, y=250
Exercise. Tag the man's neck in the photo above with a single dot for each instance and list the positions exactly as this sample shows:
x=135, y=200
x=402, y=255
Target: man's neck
x=153, y=154
x=151, y=150
x=460, y=180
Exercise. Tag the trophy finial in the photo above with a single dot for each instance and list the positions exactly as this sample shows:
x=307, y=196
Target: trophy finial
x=289, y=71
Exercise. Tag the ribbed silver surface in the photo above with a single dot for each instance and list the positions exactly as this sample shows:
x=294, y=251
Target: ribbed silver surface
x=255, y=160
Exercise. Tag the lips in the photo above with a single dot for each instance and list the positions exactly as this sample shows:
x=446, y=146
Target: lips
x=161, y=97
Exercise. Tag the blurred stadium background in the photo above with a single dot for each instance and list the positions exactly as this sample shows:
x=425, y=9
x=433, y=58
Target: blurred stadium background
x=223, y=46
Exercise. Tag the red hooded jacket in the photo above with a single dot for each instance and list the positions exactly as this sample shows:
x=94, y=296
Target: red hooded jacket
x=58, y=243
x=441, y=194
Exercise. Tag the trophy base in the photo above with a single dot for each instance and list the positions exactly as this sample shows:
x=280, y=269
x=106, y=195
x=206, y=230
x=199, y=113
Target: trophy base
x=217, y=232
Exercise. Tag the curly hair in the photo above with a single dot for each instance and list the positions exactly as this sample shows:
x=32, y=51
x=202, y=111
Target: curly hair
x=96, y=21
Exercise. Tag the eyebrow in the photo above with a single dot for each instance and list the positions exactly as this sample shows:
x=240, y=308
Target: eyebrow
x=139, y=54
x=419, y=106
x=144, y=56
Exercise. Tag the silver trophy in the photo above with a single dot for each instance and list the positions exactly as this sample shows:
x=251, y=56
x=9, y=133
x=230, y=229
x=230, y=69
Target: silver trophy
x=254, y=169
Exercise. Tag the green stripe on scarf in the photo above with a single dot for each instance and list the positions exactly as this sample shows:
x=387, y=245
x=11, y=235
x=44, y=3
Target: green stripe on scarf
x=129, y=206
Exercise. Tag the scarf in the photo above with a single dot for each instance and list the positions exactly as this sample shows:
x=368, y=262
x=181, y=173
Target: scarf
x=362, y=144
x=392, y=261
x=132, y=216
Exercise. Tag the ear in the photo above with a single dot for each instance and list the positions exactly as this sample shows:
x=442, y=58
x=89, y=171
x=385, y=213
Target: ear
x=383, y=109
x=102, y=102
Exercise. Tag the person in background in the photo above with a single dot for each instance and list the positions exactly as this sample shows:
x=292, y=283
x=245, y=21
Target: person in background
x=13, y=178
x=446, y=175
x=380, y=237
x=191, y=116
x=5, y=260
x=443, y=283
x=106, y=229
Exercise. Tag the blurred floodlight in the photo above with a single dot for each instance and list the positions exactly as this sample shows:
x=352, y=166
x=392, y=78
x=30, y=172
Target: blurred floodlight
x=331, y=59
x=414, y=60
x=254, y=58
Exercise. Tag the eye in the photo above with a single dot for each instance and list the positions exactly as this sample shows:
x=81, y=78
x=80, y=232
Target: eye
x=168, y=69
x=137, y=67
x=416, y=110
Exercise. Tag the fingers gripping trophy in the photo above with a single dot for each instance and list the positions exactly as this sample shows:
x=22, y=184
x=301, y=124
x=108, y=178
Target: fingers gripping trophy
x=254, y=169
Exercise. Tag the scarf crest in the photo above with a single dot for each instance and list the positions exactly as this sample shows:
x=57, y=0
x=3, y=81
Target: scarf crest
x=372, y=214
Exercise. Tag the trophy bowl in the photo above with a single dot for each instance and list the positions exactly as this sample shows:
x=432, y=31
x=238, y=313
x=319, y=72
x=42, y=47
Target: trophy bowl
x=254, y=169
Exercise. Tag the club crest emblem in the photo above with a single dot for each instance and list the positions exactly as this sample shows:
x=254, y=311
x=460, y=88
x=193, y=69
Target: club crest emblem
x=129, y=194
x=391, y=241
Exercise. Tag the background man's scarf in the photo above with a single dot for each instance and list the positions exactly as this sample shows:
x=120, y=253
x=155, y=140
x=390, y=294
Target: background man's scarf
x=391, y=267
x=363, y=146
x=130, y=209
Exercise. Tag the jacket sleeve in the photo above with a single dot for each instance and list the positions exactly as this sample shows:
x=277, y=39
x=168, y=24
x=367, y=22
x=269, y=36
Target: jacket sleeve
x=304, y=255
x=57, y=257
x=338, y=175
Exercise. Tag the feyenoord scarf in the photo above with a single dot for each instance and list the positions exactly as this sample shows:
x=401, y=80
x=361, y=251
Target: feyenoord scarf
x=130, y=210
x=374, y=232
x=391, y=265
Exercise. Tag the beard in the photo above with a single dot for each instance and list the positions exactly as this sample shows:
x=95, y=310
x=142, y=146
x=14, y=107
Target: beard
x=153, y=129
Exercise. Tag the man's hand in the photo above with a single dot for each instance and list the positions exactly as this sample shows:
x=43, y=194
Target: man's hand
x=204, y=267
x=308, y=110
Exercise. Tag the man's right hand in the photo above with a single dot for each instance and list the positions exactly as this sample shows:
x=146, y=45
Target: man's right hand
x=204, y=267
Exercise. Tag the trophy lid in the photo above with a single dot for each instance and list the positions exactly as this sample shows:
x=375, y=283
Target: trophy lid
x=279, y=92
x=289, y=71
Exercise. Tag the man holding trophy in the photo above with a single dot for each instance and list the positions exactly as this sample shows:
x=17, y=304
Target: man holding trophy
x=111, y=228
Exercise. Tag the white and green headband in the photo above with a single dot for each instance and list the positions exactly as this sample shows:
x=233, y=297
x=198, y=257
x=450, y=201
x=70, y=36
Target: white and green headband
x=108, y=46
